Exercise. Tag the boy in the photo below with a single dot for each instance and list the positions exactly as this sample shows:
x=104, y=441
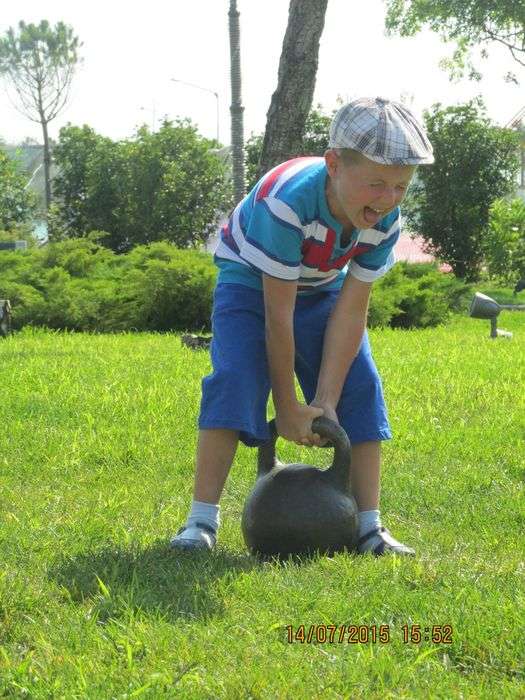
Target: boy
x=283, y=302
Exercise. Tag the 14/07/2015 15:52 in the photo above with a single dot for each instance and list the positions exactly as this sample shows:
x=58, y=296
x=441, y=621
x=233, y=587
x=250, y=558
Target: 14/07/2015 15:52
x=366, y=634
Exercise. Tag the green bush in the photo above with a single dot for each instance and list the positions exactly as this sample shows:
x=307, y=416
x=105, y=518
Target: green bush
x=166, y=185
x=476, y=162
x=19, y=232
x=504, y=244
x=79, y=285
x=416, y=296
x=165, y=289
x=17, y=203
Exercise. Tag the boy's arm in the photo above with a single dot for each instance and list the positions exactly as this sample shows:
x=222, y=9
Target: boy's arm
x=343, y=335
x=279, y=304
x=347, y=323
x=293, y=419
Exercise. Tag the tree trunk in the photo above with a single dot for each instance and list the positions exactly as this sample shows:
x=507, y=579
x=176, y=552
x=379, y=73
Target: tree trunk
x=236, y=109
x=292, y=100
x=47, y=162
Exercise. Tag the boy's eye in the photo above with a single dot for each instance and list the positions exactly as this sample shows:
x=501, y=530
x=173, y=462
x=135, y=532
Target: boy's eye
x=380, y=184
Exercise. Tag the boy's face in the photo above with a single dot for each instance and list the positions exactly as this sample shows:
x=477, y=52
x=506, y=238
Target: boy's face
x=359, y=195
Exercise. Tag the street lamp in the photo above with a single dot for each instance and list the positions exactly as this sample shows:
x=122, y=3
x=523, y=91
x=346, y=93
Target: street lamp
x=199, y=87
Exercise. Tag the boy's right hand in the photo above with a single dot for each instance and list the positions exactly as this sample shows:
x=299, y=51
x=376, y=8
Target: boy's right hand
x=295, y=424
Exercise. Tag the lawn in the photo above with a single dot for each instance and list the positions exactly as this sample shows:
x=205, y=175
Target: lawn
x=97, y=459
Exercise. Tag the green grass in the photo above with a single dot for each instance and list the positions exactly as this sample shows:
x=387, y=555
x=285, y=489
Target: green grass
x=503, y=295
x=96, y=472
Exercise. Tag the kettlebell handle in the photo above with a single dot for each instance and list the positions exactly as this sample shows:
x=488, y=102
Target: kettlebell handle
x=339, y=472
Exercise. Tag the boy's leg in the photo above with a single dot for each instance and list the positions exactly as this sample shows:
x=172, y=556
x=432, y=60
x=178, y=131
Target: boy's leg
x=365, y=479
x=361, y=412
x=215, y=454
x=233, y=405
x=365, y=474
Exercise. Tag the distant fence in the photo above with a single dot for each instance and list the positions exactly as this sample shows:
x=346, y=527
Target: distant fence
x=13, y=245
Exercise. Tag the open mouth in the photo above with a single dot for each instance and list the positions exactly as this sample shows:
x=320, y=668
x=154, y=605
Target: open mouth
x=372, y=216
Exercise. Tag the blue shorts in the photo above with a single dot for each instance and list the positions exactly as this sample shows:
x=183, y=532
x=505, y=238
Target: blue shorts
x=235, y=395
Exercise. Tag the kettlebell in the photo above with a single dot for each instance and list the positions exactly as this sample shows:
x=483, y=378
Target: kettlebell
x=298, y=509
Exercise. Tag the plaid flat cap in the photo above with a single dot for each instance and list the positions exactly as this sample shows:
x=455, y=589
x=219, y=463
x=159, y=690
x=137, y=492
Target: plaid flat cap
x=382, y=130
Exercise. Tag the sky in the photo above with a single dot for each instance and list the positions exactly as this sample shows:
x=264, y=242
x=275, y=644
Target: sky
x=132, y=51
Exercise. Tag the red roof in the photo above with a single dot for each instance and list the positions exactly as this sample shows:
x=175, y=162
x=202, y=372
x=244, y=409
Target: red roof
x=412, y=249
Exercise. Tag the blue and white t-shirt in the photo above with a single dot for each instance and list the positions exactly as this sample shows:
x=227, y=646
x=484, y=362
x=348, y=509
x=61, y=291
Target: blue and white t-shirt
x=284, y=228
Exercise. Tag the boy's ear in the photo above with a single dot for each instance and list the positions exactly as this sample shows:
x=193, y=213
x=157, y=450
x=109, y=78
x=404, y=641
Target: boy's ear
x=332, y=161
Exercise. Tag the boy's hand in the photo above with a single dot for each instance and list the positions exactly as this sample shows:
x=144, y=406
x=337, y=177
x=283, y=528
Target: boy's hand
x=329, y=412
x=295, y=424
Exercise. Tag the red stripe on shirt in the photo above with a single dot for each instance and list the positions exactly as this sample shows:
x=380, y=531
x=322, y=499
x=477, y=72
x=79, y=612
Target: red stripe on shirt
x=356, y=250
x=316, y=254
x=272, y=177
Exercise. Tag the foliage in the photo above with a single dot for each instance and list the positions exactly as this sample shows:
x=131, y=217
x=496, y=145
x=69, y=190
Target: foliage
x=416, y=296
x=163, y=289
x=20, y=232
x=475, y=163
x=17, y=204
x=252, y=155
x=69, y=214
x=314, y=142
x=164, y=185
x=468, y=24
x=80, y=285
x=39, y=62
x=504, y=242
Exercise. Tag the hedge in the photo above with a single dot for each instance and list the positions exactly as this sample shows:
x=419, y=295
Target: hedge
x=79, y=285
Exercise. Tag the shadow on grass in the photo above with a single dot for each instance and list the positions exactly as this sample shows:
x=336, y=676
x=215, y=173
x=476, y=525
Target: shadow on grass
x=114, y=581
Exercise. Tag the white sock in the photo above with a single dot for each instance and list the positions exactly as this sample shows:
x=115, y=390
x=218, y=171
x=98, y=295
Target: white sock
x=369, y=520
x=202, y=512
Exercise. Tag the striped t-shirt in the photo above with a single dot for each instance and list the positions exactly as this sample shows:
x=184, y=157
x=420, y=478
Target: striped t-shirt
x=284, y=228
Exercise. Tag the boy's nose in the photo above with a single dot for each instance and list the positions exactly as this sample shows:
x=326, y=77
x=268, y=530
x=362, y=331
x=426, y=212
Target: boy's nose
x=389, y=199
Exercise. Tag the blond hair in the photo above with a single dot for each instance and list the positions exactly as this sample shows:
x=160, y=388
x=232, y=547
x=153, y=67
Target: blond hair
x=350, y=156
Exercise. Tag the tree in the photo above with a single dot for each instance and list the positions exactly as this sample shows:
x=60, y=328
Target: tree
x=314, y=142
x=17, y=204
x=39, y=63
x=236, y=108
x=504, y=244
x=155, y=186
x=469, y=24
x=292, y=99
x=70, y=210
x=475, y=164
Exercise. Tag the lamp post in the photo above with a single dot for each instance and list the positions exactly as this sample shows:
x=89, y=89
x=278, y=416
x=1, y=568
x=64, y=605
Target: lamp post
x=199, y=87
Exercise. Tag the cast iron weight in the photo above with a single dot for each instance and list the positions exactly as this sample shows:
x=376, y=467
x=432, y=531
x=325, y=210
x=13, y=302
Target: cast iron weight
x=298, y=509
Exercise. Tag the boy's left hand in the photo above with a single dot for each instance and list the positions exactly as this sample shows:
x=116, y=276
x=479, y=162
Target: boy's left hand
x=329, y=412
